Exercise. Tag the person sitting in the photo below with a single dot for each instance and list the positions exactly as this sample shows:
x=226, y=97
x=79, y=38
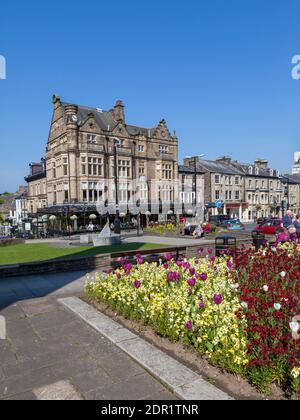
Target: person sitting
x=198, y=232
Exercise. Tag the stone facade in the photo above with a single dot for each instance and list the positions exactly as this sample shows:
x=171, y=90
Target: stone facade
x=37, y=188
x=83, y=145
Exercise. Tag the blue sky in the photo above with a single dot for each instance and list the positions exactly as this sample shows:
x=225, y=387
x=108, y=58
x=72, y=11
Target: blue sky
x=218, y=71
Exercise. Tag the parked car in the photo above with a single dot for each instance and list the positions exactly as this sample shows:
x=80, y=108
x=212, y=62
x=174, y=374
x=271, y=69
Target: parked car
x=219, y=220
x=270, y=227
x=262, y=220
x=235, y=224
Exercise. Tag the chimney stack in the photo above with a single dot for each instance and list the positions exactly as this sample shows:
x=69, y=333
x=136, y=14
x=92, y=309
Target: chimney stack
x=118, y=112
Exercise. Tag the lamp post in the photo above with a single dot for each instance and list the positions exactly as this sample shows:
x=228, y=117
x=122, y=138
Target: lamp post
x=195, y=159
x=117, y=223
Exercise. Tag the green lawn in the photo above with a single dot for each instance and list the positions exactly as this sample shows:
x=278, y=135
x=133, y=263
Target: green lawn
x=43, y=252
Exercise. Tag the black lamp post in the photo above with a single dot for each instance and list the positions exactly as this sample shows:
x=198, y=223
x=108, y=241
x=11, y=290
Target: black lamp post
x=117, y=223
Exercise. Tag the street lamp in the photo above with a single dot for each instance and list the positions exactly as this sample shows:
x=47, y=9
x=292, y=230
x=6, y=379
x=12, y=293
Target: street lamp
x=195, y=159
x=117, y=223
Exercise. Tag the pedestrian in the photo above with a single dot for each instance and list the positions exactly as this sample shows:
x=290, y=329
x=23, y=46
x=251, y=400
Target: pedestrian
x=287, y=220
x=297, y=226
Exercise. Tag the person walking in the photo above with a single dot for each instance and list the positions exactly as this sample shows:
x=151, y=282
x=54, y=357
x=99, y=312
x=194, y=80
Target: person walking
x=287, y=220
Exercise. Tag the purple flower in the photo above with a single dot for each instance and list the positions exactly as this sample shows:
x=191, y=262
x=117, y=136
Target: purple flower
x=216, y=269
x=229, y=265
x=190, y=290
x=192, y=271
x=201, y=305
x=197, y=261
x=128, y=267
x=109, y=271
x=210, y=251
x=176, y=276
x=179, y=263
x=137, y=284
x=218, y=299
x=168, y=257
x=118, y=276
x=212, y=259
x=170, y=276
x=191, y=282
x=186, y=265
x=200, y=251
x=165, y=265
x=189, y=325
x=203, y=276
x=122, y=260
x=180, y=258
x=140, y=261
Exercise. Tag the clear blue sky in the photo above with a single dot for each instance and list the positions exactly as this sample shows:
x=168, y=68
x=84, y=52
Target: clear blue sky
x=218, y=71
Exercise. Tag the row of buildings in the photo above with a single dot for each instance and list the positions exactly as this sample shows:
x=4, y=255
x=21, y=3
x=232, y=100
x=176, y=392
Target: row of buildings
x=96, y=162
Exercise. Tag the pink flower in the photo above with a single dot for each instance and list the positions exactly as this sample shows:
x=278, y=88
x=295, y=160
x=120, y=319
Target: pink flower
x=189, y=325
x=191, y=282
x=186, y=265
x=170, y=276
x=137, y=284
x=201, y=305
x=192, y=271
x=218, y=299
x=229, y=265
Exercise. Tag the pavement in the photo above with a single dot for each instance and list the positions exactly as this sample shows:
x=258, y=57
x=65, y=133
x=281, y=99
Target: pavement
x=49, y=353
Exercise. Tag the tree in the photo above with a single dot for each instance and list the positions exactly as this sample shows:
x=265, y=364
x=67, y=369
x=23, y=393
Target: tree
x=1, y=218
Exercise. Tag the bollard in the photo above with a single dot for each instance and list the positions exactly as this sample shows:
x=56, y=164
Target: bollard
x=223, y=243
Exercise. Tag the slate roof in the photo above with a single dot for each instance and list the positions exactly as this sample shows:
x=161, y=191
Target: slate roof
x=218, y=167
x=106, y=120
x=189, y=169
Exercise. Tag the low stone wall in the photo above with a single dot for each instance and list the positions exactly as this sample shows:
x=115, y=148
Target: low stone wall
x=101, y=261
x=56, y=266
x=10, y=242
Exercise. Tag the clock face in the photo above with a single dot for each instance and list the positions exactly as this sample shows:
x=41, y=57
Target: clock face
x=74, y=118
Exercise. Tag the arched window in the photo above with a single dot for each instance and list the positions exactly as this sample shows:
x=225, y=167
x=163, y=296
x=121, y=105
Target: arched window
x=256, y=171
x=250, y=170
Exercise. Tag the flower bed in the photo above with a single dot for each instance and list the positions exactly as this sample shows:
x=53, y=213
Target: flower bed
x=219, y=306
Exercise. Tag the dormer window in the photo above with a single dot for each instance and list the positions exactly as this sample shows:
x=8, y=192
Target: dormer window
x=250, y=170
x=91, y=138
x=277, y=173
x=256, y=171
x=271, y=172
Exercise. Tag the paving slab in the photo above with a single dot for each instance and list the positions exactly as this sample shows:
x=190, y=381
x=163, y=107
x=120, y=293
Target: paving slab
x=50, y=353
x=184, y=382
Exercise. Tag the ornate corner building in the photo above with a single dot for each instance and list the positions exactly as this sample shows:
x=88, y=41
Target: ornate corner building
x=83, y=146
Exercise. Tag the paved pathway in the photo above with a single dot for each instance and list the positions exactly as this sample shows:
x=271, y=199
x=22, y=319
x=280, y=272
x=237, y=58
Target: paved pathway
x=49, y=351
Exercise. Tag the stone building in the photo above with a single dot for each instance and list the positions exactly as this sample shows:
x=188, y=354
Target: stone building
x=296, y=166
x=222, y=183
x=37, y=188
x=84, y=144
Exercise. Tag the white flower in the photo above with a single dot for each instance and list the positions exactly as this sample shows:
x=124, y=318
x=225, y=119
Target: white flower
x=283, y=274
x=266, y=288
x=235, y=286
x=244, y=305
x=295, y=372
x=277, y=306
x=294, y=326
x=273, y=249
